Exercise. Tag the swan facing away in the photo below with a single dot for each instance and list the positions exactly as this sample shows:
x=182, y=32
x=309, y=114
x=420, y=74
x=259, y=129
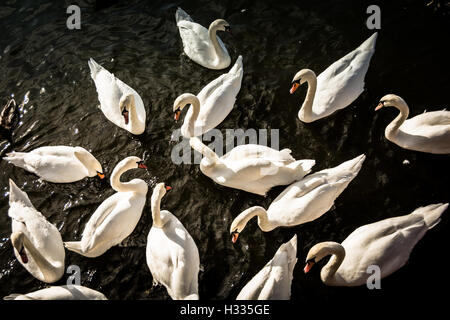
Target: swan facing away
x=69, y=292
x=426, y=132
x=37, y=243
x=303, y=201
x=120, y=103
x=336, y=87
x=58, y=164
x=117, y=216
x=274, y=280
x=386, y=244
x=172, y=255
x=203, y=45
x=214, y=102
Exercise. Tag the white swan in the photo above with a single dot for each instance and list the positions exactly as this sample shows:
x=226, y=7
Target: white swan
x=303, y=201
x=203, y=45
x=172, y=255
x=69, y=292
x=117, y=216
x=58, y=164
x=336, y=87
x=37, y=243
x=215, y=101
x=386, y=244
x=426, y=132
x=120, y=103
x=274, y=280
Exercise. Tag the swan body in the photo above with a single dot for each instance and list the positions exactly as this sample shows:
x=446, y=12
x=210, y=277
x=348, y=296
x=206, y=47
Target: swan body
x=117, y=216
x=172, y=255
x=58, y=164
x=203, y=45
x=120, y=103
x=37, y=243
x=426, y=132
x=216, y=101
x=303, y=201
x=68, y=292
x=274, y=280
x=387, y=244
x=336, y=87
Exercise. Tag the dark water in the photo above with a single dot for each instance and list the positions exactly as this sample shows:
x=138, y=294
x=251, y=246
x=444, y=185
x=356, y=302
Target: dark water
x=139, y=42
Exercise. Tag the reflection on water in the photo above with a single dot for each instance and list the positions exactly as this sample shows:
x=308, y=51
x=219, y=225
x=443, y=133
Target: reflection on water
x=140, y=44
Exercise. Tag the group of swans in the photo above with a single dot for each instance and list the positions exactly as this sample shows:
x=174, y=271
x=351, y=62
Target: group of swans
x=171, y=254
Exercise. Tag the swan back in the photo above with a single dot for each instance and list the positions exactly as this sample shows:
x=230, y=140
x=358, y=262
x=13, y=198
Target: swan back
x=274, y=280
x=70, y=292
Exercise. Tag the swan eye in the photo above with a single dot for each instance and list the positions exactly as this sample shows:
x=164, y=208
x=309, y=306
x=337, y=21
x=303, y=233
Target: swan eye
x=227, y=28
x=296, y=81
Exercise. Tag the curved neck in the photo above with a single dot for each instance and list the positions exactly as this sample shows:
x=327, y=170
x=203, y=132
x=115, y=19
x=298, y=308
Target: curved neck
x=306, y=109
x=134, y=120
x=392, y=128
x=118, y=185
x=261, y=213
x=199, y=146
x=156, y=209
x=337, y=252
x=191, y=117
x=42, y=263
x=212, y=32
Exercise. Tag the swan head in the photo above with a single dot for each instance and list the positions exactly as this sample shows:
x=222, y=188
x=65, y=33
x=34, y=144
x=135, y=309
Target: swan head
x=390, y=100
x=320, y=251
x=125, y=104
x=91, y=164
x=17, y=243
x=180, y=103
x=160, y=190
x=220, y=25
x=301, y=77
x=242, y=219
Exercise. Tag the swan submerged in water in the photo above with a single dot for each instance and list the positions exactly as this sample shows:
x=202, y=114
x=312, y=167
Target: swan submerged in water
x=58, y=164
x=274, y=280
x=386, y=244
x=172, y=255
x=203, y=45
x=303, y=201
x=120, y=103
x=68, y=292
x=117, y=216
x=37, y=243
x=426, y=132
x=336, y=87
x=214, y=102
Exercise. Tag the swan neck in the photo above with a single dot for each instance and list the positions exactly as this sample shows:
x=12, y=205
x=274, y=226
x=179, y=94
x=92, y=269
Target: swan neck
x=337, y=252
x=261, y=213
x=310, y=94
x=134, y=120
x=156, y=210
x=206, y=151
x=212, y=32
x=118, y=185
x=195, y=105
x=43, y=264
x=392, y=128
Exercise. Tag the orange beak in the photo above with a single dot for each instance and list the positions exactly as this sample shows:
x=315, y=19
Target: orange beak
x=142, y=166
x=294, y=87
x=168, y=188
x=308, y=266
x=176, y=115
x=100, y=175
x=234, y=237
x=379, y=106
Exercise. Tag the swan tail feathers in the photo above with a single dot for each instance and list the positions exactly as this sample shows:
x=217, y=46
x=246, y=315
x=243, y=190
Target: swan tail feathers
x=353, y=165
x=432, y=213
x=16, y=158
x=12, y=296
x=238, y=67
x=74, y=246
x=181, y=15
x=193, y=296
x=370, y=43
x=17, y=195
x=94, y=67
x=303, y=167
